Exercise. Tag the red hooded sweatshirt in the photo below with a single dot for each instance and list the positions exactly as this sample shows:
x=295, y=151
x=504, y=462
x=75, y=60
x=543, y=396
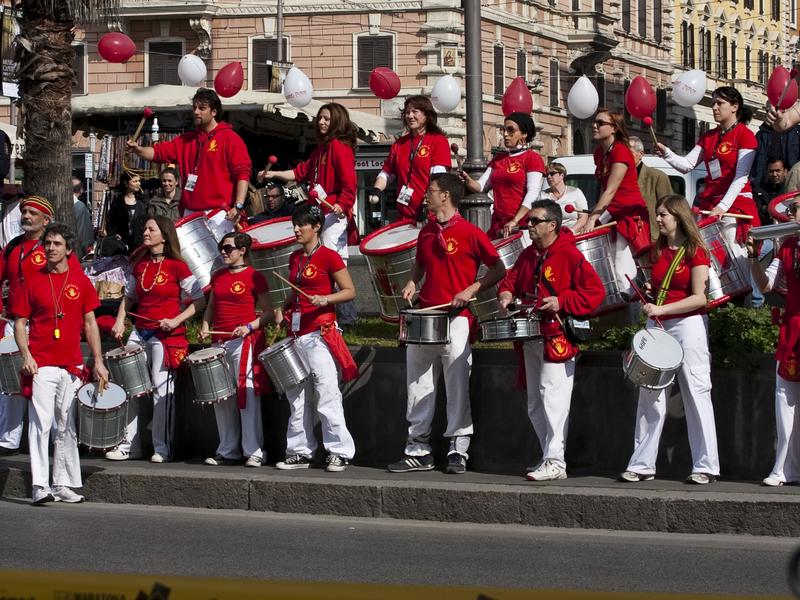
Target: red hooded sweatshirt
x=333, y=166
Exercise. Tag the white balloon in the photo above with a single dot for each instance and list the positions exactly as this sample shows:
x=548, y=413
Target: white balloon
x=689, y=88
x=582, y=100
x=446, y=94
x=297, y=88
x=192, y=70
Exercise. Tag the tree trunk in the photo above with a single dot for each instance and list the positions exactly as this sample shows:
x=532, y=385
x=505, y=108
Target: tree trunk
x=44, y=68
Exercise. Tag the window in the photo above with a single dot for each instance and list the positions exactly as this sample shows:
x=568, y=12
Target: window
x=691, y=47
x=762, y=67
x=163, y=59
x=626, y=16
x=707, y=57
x=689, y=134
x=79, y=66
x=733, y=59
x=522, y=64
x=600, y=86
x=761, y=7
x=554, y=84
x=625, y=87
x=598, y=6
x=657, y=28
x=661, y=109
x=373, y=51
x=576, y=4
x=642, y=15
x=721, y=51
x=748, y=4
x=747, y=58
x=702, y=51
x=685, y=44
x=793, y=12
x=499, y=71
x=262, y=51
x=776, y=10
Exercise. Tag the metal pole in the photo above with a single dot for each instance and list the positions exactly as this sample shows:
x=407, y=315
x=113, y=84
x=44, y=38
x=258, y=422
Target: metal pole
x=474, y=207
x=279, y=30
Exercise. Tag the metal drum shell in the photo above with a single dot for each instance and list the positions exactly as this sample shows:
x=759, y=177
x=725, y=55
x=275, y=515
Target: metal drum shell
x=486, y=305
x=286, y=364
x=101, y=428
x=199, y=248
x=598, y=248
x=510, y=329
x=128, y=368
x=726, y=281
x=644, y=374
x=272, y=255
x=211, y=375
x=10, y=366
x=424, y=326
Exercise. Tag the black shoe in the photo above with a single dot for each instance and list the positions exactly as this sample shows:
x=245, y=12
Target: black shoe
x=219, y=461
x=456, y=464
x=412, y=463
x=8, y=451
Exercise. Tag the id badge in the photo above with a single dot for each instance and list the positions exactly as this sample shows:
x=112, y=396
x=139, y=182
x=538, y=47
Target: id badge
x=191, y=181
x=714, y=169
x=295, y=321
x=321, y=193
x=404, y=197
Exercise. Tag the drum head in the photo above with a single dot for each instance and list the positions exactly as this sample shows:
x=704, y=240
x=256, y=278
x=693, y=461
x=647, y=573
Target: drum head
x=121, y=352
x=8, y=345
x=205, y=355
x=657, y=348
x=112, y=397
x=190, y=218
x=422, y=312
x=594, y=234
x=393, y=238
x=272, y=233
x=500, y=242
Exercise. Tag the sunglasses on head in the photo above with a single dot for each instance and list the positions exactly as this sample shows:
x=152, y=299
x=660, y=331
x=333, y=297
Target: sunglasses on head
x=228, y=248
x=534, y=221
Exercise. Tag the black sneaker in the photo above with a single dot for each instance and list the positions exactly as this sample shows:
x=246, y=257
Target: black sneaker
x=456, y=464
x=336, y=464
x=412, y=463
x=294, y=462
x=219, y=461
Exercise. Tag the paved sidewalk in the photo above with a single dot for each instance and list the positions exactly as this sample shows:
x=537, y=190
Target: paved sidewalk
x=585, y=502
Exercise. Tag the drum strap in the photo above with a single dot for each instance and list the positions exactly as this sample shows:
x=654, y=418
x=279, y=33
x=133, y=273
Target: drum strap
x=673, y=266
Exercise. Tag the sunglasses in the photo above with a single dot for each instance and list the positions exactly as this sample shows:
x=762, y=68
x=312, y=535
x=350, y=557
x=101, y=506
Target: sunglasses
x=534, y=221
x=599, y=123
x=553, y=173
x=227, y=249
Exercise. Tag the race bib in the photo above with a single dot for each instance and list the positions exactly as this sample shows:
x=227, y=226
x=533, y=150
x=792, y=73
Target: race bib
x=191, y=181
x=714, y=169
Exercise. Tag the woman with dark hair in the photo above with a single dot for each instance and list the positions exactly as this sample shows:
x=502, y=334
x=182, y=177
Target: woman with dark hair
x=324, y=280
x=413, y=158
x=161, y=284
x=680, y=274
x=727, y=152
x=128, y=211
x=239, y=303
x=620, y=198
x=515, y=176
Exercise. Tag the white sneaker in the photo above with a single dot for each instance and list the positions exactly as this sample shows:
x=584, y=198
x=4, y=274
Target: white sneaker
x=253, y=461
x=117, y=454
x=159, y=458
x=772, y=481
x=64, y=494
x=42, y=496
x=547, y=471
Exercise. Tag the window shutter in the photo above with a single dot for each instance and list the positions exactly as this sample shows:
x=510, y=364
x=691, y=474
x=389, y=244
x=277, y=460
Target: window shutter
x=373, y=51
x=499, y=74
x=661, y=109
x=554, y=84
x=78, y=86
x=522, y=64
x=163, y=60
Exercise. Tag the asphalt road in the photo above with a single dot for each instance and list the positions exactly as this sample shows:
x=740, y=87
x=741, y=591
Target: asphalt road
x=241, y=544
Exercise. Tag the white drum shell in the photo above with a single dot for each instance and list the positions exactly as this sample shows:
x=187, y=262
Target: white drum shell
x=199, y=249
x=102, y=418
x=487, y=306
x=286, y=364
x=424, y=327
x=654, y=359
x=211, y=375
x=128, y=368
x=511, y=329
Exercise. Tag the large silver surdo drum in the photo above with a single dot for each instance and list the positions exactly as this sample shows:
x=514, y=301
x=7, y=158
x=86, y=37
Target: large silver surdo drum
x=199, y=247
x=286, y=364
x=128, y=368
x=211, y=375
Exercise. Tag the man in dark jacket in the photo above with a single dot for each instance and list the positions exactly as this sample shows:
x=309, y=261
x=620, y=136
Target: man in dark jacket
x=275, y=204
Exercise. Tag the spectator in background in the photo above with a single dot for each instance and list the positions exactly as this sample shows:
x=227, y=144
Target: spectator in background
x=771, y=186
x=128, y=212
x=773, y=145
x=275, y=204
x=653, y=183
x=565, y=195
x=166, y=201
x=84, y=233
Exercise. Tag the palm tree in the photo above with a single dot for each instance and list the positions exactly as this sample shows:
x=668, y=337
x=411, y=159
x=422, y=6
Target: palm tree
x=45, y=58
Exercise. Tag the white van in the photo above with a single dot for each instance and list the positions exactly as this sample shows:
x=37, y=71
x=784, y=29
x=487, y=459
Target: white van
x=580, y=174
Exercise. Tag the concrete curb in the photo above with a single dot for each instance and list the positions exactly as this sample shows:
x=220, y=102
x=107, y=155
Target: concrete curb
x=628, y=508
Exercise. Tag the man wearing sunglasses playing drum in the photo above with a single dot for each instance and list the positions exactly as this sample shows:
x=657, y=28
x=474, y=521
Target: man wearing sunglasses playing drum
x=563, y=283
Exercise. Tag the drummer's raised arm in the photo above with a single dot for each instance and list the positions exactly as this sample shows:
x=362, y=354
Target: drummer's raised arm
x=783, y=120
x=145, y=152
x=287, y=175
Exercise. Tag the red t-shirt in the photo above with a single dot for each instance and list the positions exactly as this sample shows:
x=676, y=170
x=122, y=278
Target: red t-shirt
x=158, y=289
x=509, y=182
x=726, y=150
x=628, y=194
x=315, y=280
x=74, y=295
x=235, y=296
x=431, y=151
x=681, y=285
x=333, y=166
x=452, y=269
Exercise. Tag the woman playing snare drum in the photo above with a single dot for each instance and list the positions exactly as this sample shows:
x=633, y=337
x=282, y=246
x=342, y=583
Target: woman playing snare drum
x=680, y=274
x=162, y=284
x=238, y=293
x=319, y=272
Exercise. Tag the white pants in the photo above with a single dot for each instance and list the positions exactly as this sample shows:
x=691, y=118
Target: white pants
x=12, y=410
x=694, y=378
x=549, y=396
x=320, y=396
x=54, y=399
x=163, y=425
x=424, y=363
x=233, y=422
x=334, y=236
x=624, y=264
x=787, y=452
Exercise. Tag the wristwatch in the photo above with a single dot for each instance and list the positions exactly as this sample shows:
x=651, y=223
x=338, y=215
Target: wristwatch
x=240, y=205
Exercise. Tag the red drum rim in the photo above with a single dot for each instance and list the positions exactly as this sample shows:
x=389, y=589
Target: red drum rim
x=593, y=234
x=777, y=208
x=705, y=222
x=711, y=304
x=269, y=245
x=501, y=242
x=190, y=218
x=384, y=251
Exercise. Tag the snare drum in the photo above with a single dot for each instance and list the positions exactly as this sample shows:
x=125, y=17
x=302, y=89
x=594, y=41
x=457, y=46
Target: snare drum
x=390, y=253
x=486, y=306
x=598, y=248
x=726, y=280
x=286, y=364
x=10, y=366
x=273, y=244
x=102, y=418
x=211, y=374
x=653, y=360
x=511, y=329
x=128, y=368
x=419, y=326
x=199, y=247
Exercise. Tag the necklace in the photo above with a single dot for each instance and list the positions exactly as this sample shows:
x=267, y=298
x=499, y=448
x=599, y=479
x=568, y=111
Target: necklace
x=237, y=267
x=57, y=306
x=155, y=279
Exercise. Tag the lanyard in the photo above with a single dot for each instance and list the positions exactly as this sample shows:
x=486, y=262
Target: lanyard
x=412, y=154
x=317, y=167
x=23, y=256
x=200, y=146
x=303, y=268
x=537, y=277
x=720, y=136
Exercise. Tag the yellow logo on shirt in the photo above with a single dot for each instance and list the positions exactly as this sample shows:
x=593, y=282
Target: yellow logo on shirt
x=237, y=287
x=72, y=292
x=424, y=151
x=560, y=345
x=161, y=279
x=514, y=167
x=451, y=246
x=38, y=259
x=549, y=274
x=310, y=272
x=212, y=147
x=724, y=148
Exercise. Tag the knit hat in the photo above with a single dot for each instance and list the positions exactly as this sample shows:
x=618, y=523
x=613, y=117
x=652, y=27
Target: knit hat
x=40, y=203
x=524, y=122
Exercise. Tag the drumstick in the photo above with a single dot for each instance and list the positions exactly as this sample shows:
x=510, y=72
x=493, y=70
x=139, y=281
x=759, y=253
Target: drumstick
x=146, y=114
x=133, y=314
x=220, y=332
x=734, y=215
x=443, y=305
x=315, y=196
x=293, y=286
x=643, y=299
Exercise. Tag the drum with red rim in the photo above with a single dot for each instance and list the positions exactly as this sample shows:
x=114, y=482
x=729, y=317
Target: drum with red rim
x=779, y=205
x=486, y=306
x=598, y=248
x=199, y=247
x=726, y=280
x=273, y=244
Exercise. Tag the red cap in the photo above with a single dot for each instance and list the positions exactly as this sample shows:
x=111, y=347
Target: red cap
x=40, y=203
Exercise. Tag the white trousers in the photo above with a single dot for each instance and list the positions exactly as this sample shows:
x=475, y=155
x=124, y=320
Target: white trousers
x=318, y=397
x=624, y=264
x=787, y=425
x=424, y=364
x=334, y=235
x=233, y=422
x=694, y=379
x=54, y=391
x=163, y=425
x=549, y=395
x=12, y=410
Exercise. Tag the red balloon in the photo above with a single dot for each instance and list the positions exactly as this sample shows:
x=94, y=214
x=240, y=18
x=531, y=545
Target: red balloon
x=775, y=86
x=229, y=79
x=517, y=98
x=116, y=47
x=384, y=83
x=640, y=99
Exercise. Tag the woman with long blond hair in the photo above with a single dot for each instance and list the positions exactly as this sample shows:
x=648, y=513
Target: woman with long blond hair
x=678, y=286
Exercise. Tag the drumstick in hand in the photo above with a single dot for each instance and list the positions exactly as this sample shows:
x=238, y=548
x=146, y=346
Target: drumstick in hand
x=314, y=195
x=643, y=299
x=133, y=314
x=459, y=162
x=443, y=305
x=146, y=114
x=697, y=211
x=290, y=284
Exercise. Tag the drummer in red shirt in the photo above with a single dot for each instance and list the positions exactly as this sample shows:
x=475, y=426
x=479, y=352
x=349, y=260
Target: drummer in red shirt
x=450, y=250
x=161, y=284
x=620, y=198
x=680, y=275
x=239, y=303
x=325, y=281
x=413, y=158
x=515, y=177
